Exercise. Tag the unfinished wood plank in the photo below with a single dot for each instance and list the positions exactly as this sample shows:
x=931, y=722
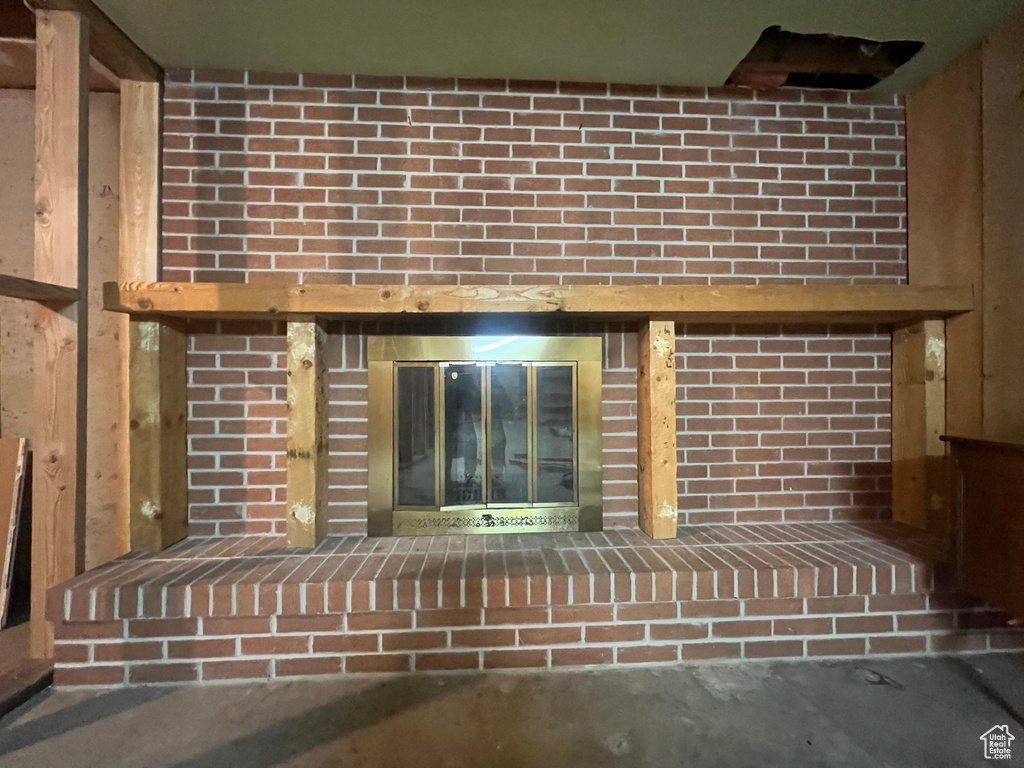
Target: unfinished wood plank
x=694, y=303
x=106, y=491
x=307, y=433
x=157, y=415
x=1003, y=143
x=111, y=47
x=919, y=474
x=61, y=241
x=944, y=204
x=139, y=230
x=656, y=429
x=33, y=290
x=158, y=506
x=12, y=483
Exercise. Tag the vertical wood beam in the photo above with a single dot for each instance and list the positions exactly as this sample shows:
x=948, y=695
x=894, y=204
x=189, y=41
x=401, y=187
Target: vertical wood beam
x=919, y=477
x=61, y=341
x=656, y=429
x=156, y=404
x=1003, y=160
x=307, y=433
x=158, y=492
x=944, y=204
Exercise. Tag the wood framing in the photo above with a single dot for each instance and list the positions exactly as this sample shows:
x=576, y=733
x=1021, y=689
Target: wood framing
x=158, y=484
x=61, y=242
x=937, y=371
x=1003, y=147
x=307, y=433
x=111, y=47
x=693, y=303
x=656, y=429
x=155, y=350
x=139, y=229
x=919, y=473
x=33, y=290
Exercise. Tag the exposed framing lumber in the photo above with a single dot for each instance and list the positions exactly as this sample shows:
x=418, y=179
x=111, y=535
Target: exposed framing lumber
x=61, y=243
x=34, y=290
x=656, y=429
x=155, y=349
x=1003, y=190
x=157, y=415
x=693, y=303
x=307, y=433
x=919, y=472
x=111, y=47
x=937, y=373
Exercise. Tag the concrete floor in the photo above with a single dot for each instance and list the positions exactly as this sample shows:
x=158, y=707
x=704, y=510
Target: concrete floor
x=908, y=712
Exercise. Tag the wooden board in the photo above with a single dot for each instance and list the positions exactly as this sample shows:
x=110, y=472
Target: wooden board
x=656, y=429
x=919, y=474
x=157, y=415
x=307, y=434
x=140, y=173
x=12, y=482
x=106, y=522
x=17, y=193
x=33, y=290
x=1003, y=142
x=937, y=372
x=61, y=243
x=698, y=303
x=111, y=47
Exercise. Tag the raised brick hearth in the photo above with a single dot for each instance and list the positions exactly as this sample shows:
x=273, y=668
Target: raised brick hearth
x=245, y=608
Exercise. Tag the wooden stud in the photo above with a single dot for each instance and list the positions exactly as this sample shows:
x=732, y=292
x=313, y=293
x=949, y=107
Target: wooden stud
x=141, y=137
x=157, y=414
x=61, y=242
x=307, y=433
x=919, y=475
x=1003, y=148
x=944, y=222
x=729, y=304
x=656, y=429
x=156, y=350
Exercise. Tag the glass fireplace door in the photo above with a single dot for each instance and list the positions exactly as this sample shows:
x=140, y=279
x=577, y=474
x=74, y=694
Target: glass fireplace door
x=484, y=434
x=501, y=435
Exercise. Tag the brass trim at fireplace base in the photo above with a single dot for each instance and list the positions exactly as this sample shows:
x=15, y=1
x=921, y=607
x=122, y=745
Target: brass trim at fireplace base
x=385, y=517
x=409, y=522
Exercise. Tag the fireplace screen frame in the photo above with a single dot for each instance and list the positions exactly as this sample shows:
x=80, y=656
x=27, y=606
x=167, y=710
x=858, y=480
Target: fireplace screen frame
x=384, y=356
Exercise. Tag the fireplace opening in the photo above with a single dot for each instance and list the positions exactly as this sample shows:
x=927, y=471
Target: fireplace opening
x=484, y=434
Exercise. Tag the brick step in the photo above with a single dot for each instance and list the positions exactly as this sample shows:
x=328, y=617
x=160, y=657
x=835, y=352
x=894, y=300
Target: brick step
x=223, y=609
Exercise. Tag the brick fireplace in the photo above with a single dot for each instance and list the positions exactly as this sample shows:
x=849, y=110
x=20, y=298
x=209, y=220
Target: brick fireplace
x=785, y=548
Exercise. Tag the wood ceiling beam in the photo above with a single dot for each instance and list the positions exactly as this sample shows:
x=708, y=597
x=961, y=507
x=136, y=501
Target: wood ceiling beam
x=734, y=304
x=107, y=43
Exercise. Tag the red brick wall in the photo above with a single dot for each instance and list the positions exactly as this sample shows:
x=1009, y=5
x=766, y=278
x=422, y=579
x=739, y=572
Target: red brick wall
x=280, y=177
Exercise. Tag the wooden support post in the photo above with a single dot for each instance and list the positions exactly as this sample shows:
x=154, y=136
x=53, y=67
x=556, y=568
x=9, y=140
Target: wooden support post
x=656, y=429
x=158, y=485
x=919, y=478
x=307, y=433
x=61, y=245
x=944, y=201
x=156, y=398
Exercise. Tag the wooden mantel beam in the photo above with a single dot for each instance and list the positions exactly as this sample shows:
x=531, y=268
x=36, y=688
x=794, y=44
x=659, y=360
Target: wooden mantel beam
x=733, y=304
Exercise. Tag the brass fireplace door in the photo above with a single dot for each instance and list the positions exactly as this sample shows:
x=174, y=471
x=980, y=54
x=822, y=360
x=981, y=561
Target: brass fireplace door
x=484, y=434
